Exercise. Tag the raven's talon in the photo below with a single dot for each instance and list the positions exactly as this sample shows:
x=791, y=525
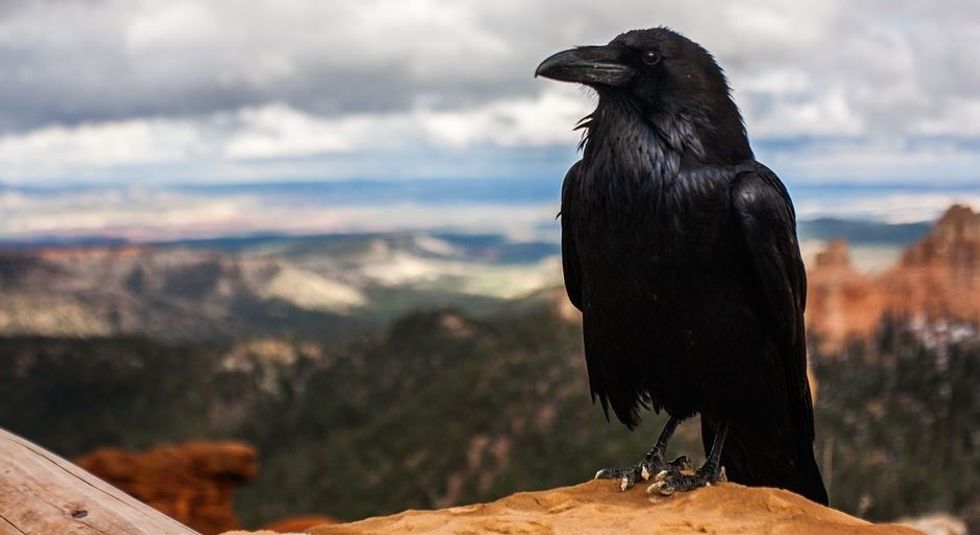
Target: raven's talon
x=662, y=487
x=610, y=473
x=669, y=483
x=681, y=463
x=627, y=476
x=654, y=467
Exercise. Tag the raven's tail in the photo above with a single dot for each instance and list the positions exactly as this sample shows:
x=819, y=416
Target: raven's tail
x=768, y=460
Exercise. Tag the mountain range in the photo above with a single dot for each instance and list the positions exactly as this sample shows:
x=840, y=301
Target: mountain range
x=259, y=285
x=323, y=284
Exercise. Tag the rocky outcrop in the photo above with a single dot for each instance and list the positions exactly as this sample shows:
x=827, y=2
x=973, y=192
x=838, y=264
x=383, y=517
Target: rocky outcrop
x=192, y=483
x=298, y=524
x=937, y=278
x=599, y=507
x=841, y=303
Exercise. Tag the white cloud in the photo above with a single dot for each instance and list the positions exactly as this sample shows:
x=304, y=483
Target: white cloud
x=126, y=212
x=957, y=117
x=928, y=163
x=202, y=87
x=161, y=214
x=276, y=131
x=829, y=115
x=280, y=131
x=55, y=149
x=893, y=208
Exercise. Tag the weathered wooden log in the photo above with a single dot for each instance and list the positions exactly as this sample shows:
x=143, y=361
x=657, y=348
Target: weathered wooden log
x=43, y=494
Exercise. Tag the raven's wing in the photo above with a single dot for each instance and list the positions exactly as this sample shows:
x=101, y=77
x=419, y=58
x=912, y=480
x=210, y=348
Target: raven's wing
x=569, y=255
x=572, y=270
x=764, y=213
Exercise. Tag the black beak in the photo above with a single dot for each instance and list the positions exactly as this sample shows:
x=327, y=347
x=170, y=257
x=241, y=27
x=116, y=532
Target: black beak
x=587, y=65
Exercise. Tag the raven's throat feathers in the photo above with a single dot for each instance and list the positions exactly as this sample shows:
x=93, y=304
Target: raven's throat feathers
x=707, y=131
x=617, y=134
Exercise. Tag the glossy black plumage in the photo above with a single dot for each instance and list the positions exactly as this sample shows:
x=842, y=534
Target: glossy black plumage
x=680, y=250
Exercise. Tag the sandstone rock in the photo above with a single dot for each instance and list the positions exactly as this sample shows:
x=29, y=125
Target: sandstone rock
x=298, y=524
x=599, y=507
x=841, y=303
x=937, y=524
x=193, y=482
x=938, y=277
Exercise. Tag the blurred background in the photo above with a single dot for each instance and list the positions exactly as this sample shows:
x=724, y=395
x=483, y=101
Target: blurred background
x=263, y=260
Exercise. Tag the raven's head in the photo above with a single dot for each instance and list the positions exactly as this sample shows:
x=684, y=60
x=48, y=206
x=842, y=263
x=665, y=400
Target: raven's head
x=668, y=80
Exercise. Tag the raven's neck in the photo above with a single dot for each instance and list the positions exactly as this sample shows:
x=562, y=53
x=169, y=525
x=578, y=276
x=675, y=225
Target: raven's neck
x=623, y=140
x=618, y=142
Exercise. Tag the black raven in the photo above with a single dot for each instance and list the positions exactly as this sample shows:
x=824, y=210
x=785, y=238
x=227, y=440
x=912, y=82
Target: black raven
x=681, y=252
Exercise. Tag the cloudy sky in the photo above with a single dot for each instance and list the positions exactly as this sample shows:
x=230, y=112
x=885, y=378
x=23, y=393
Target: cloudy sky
x=875, y=92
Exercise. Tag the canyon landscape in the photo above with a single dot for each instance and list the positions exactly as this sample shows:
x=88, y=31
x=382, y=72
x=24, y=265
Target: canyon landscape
x=327, y=361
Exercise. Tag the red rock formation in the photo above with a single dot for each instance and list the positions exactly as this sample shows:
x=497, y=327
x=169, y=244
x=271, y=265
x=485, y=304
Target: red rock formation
x=193, y=482
x=938, y=277
x=841, y=303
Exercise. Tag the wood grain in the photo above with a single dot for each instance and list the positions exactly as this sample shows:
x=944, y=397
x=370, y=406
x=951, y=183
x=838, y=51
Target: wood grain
x=43, y=494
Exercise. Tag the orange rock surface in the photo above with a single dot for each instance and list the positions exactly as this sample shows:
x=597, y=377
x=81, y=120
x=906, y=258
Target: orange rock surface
x=599, y=507
x=298, y=524
x=938, y=277
x=193, y=482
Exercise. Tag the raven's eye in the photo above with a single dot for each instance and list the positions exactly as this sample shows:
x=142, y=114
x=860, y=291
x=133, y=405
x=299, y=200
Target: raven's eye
x=651, y=57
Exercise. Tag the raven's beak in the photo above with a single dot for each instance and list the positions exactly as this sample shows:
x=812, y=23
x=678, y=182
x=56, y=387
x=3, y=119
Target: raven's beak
x=587, y=65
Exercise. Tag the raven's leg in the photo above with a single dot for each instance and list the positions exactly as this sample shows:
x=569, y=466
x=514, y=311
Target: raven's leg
x=654, y=463
x=710, y=472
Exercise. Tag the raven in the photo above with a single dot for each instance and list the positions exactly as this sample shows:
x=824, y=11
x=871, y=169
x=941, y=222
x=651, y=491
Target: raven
x=680, y=250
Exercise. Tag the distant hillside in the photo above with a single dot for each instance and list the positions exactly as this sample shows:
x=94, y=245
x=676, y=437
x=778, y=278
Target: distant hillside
x=271, y=284
x=104, y=291
x=260, y=285
x=823, y=229
x=862, y=232
x=444, y=408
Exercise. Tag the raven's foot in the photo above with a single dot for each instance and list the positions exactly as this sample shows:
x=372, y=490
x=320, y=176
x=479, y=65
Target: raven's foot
x=669, y=483
x=654, y=466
